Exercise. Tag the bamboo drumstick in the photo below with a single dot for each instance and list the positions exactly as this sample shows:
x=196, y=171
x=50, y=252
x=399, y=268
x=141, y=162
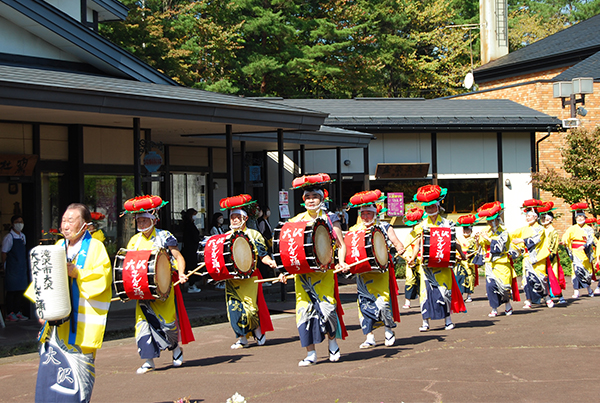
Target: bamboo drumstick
x=174, y=284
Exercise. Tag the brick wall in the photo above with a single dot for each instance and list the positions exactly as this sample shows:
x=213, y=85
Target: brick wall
x=533, y=90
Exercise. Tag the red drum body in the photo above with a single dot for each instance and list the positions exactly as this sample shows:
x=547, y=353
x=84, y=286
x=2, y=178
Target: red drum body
x=228, y=256
x=439, y=247
x=363, y=244
x=303, y=246
x=142, y=274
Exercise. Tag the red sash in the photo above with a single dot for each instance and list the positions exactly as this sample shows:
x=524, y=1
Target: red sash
x=515, y=290
x=457, y=305
x=339, y=309
x=185, y=328
x=393, y=291
x=264, y=316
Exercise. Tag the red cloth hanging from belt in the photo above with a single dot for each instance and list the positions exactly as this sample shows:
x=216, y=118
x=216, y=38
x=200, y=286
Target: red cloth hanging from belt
x=185, y=327
x=264, y=316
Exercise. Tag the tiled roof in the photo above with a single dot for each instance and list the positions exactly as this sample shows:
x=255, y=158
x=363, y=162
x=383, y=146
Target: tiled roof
x=565, y=48
x=590, y=67
x=394, y=114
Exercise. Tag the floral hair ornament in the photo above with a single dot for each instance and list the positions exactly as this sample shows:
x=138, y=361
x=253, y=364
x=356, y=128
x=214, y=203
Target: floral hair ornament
x=430, y=194
x=531, y=205
x=144, y=204
x=546, y=207
x=490, y=211
x=581, y=206
x=413, y=216
x=590, y=220
x=311, y=181
x=243, y=203
x=97, y=216
x=466, y=220
x=368, y=198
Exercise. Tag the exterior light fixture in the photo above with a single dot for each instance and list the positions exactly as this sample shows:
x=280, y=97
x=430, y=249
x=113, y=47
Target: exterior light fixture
x=568, y=91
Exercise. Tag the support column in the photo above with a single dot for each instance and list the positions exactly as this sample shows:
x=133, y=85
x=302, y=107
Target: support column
x=281, y=185
x=209, y=189
x=137, y=166
x=167, y=191
x=243, y=164
x=338, y=184
x=302, y=159
x=434, y=165
x=500, y=168
x=147, y=186
x=75, y=172
x=366, y=168
x=229, y=151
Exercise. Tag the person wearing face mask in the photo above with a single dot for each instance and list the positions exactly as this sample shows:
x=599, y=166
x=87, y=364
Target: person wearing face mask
x=16, y=268
x=580, y=241
x=377, y=290
x=80, y=335
x=413, y=278
x=159, y=324
x=264, y=227
x=246, y=307
x=530, y=239
x=500, y=276
x=191, y=239
x=318, y=307
x=556, y=276
x=217, y=224
x=465, y=270
x=439, y=293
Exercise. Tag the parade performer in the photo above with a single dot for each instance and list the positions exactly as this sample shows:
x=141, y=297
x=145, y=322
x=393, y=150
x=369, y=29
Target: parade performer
x=246, y=307
x=439, y=293
x=500, y=276
x=413, y=278
x=318, y=307
x=66, y=372
x=531, y=240
x=556, y=276
x=160, y=324
x=95, y=229
x=465, y=270
x=579, y=240
x=377, y=290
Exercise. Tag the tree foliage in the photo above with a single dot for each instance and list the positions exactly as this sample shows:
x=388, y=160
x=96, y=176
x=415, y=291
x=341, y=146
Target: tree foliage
x=581, y=162
x=324, y=49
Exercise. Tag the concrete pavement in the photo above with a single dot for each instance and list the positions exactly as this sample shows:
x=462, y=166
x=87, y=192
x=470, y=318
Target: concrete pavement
x=534, y=355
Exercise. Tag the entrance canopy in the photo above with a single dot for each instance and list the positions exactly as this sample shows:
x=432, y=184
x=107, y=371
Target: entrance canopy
x=175, y=115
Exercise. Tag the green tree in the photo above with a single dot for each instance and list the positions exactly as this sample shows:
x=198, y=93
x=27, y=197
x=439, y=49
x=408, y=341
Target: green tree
x=581, y=163
x=191, y=42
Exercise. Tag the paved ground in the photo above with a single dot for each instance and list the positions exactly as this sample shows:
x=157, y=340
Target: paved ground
x=532, y=356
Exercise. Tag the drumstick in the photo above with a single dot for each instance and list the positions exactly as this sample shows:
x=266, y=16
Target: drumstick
x=289, y=276
x=411, y=242
x=353, y=264
x=174, y=284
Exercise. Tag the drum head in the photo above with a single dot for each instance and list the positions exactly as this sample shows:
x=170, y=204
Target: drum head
x=242, y=254
x=380, y=249
x=162, y=269
x=322, y=244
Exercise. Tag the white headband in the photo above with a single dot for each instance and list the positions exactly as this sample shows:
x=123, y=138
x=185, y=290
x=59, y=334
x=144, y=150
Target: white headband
x=318, y=191
x=240, y=211
x=145, y=215
x=369, y=207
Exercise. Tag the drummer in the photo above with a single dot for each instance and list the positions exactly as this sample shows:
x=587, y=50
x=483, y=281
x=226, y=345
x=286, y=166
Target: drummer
x=413, y=278
x=318, y=308
x=439, y=292
x=246, y=307
x=159, y=323
x=465, y=271
x=377, y=291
